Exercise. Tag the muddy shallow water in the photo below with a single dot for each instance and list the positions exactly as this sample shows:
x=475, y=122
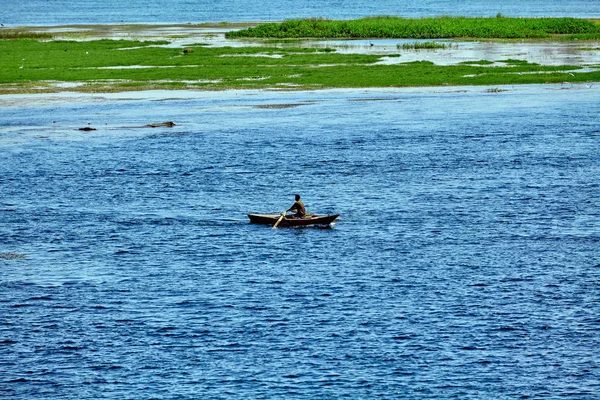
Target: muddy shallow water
x=544, y=53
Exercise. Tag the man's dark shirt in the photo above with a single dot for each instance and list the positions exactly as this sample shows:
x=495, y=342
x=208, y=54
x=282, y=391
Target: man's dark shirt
x=298, y=208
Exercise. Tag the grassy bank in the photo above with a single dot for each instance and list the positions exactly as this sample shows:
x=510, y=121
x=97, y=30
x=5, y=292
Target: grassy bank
x=107, y=65
x=424, y=28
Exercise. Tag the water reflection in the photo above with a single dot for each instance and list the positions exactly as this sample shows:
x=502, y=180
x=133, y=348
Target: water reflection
x=545, y=53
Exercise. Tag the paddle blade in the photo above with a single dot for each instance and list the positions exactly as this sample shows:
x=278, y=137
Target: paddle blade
x=279, y=220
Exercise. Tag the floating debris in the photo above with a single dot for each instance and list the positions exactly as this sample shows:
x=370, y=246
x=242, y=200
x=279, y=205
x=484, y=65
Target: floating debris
x=87, y=129
x=12, y=256
x=168, y=124
x=277, y=106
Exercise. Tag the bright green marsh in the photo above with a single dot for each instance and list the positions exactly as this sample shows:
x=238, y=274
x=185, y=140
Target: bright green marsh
x=42, y=65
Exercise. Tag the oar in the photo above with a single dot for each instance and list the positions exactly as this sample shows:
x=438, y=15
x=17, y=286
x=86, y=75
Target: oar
x=279, y=220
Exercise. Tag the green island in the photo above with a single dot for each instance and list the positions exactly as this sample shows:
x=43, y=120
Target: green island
x=426, y=28
x=281, y=55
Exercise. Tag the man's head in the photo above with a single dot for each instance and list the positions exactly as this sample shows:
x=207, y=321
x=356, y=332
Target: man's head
x=297, y=197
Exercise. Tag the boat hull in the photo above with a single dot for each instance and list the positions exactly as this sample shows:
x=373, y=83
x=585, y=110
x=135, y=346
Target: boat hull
x=271, y=219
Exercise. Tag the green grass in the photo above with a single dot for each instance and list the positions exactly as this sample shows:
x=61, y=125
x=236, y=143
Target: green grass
x=106, y=65
x=424, y=28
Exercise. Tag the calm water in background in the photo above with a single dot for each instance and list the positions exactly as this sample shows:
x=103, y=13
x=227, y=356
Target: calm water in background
x=55, y=12
x=465, y=263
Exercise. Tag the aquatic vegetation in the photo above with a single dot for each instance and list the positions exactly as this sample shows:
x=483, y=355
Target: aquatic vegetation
x=423, y=46
x=511, y=61
x=584, y=36
x=423, y=28
x=478, y=62
x=11, y=34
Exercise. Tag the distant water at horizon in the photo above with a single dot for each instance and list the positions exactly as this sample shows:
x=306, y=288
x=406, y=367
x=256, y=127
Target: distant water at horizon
x=58, y=12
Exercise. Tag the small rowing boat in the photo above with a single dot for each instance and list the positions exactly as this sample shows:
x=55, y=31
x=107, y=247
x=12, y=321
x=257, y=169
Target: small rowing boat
x=288, y=221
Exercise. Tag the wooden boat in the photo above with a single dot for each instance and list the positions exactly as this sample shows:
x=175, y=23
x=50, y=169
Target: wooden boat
x=288, y=221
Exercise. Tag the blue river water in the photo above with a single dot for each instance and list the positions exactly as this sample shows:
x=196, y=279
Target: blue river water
x=56, y=12
x=465, y=263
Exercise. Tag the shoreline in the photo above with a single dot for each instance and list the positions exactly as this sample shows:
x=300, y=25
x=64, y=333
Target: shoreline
x=19, y=99
x=208, y=24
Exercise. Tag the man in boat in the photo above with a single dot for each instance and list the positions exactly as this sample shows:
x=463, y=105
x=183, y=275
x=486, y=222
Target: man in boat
x=298, y=208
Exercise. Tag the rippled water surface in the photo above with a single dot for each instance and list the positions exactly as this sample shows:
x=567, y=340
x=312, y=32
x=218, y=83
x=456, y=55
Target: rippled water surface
x=465, y=263
x=56, y=12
